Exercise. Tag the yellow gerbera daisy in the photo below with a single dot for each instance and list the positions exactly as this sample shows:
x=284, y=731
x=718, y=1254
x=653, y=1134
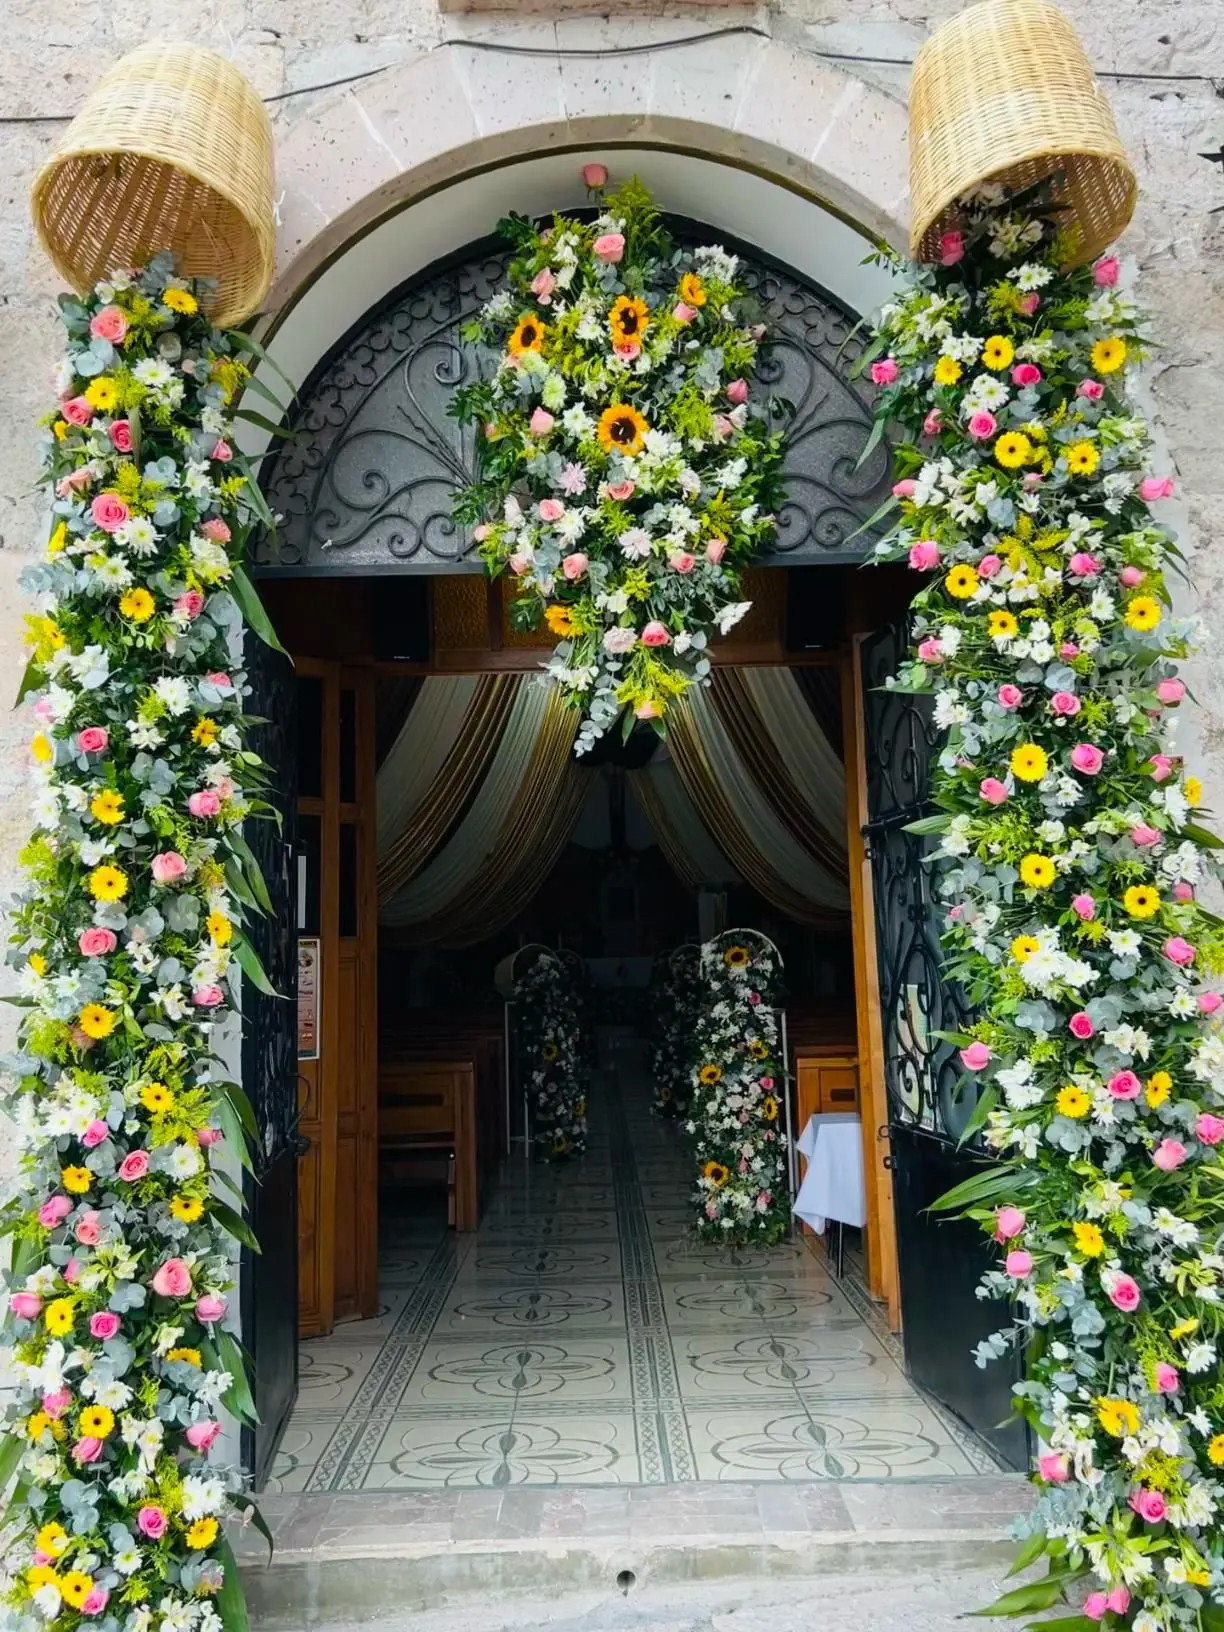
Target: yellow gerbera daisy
x=201, y=1534
x=1088, y=1239
x=716, y=1173
x=1109, y=355
x=137, y=605
x=102, y=393
x=107, y=807
x=181, y=300
x=108, y=883
x=628, y=320
x=1082, y=458
x=709, y=1075
x=59, y=1317
x=947, y=371
x=37, y=1424
x=998, y=352
x=1003, y=625
x=1215, y=1450
x=156, y=1097
x=42, y=748
x=1143, y=613
x=1029, y=762
x=96, y=1022
x=621, y=429
x=1193, y=790
x=1038, y=872
x=52, y=1540
x=76, y=1586
x=187, y=1209
x=220, y=930
x=1118, y=1417
x=692, y=290
x=1142, y=901
x=528, y=336
x=1158, y=1088
x=1023, y=947
x=962, y=582
x=38, y=963
x=97, y=1421
x=1072, y=1101
x=205, y=732
x=1013, y=449
x=559, y=619
x=76, y=1180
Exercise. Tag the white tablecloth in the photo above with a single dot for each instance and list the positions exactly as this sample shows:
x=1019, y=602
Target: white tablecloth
x=833, y=1184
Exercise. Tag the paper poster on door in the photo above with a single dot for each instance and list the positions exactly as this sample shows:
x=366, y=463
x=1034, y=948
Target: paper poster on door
x=308, y=998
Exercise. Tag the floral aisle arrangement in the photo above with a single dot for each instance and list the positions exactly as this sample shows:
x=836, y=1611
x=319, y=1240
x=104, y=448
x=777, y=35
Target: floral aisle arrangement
x=627, y=472
x=1070, y=861
x=552, y=1056
x=677, y=1002
x=738, y=1093
x=125, y=941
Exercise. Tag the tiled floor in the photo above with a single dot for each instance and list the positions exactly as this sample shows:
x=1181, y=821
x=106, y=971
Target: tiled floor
x=585, y=1337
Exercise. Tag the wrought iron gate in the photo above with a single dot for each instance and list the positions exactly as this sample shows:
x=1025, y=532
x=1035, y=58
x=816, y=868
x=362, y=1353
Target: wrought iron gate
x=269, y=1075
x=940, y=1260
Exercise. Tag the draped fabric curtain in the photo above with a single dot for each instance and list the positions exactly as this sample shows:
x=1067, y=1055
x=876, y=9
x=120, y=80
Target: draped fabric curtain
x=420, y=751
x=745, y=823
x=685, y=841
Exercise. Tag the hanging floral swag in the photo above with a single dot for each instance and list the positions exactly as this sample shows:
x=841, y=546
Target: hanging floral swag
x=738, y=1092
x=626, y=471
x=126, y=939
x=552, y=1056
x=677, y=1002
x=1070, y=860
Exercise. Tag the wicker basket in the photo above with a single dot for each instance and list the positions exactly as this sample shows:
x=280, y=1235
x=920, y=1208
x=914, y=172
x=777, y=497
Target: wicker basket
x=172, y=150
x=1003, y=92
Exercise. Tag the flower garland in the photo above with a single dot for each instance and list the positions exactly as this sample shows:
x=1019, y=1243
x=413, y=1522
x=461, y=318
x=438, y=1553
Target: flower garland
x=1070, y=861
x=125, y=940
x=737, y=1095
x=626, y=472
x=552, y=1056
x=677, y=1001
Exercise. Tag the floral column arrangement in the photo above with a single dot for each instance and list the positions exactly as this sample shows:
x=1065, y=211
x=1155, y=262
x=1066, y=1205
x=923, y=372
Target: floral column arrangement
x=1070, y=862
x=125, y=943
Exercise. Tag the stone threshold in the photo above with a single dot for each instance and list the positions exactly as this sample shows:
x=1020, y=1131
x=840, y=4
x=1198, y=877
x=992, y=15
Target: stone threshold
x=365, y=1558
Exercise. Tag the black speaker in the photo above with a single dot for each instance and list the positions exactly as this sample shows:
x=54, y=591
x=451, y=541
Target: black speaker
x=815, y=608
x=401, y=619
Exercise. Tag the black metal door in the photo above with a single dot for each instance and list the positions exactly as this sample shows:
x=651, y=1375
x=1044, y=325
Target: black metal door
x=940, y=1259
x=269, y=1074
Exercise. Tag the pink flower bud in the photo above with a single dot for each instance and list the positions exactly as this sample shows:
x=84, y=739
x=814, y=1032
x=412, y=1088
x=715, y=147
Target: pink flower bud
x=210, y=1309
x=1028, y=303
x=25, y=1305
x=97, y=1133
x=1119, y=1601
x=543, y=284
x=681, y=561
x=94, y=739
x=884, y=372
x=1026, y=374
x=1084, y=565
x=1090, y=390
x=87, y=1450
x=205, y=802
x=1018, y=1264
x=135, y=1165
x=1132, y=577
x=96, y=943
x=541, y=422
x=1145, y=837
x=1169, y=1155
x=654, y=634
x=1095, y=1606
x=168, y=867
x=1124, y=1293
x=976, y=1057
x=993, y=791
x=1150, y=1505
x=1170, y=690
x=904, y=489
x=1105, y=272
x=933, y=423
x=989, y=566
x=54, y=1211
x=1068, y=650
x=1009, y=1221
x=1209, y=1002
x=930, y=651
x=716, y=549
x=1053, y=1467
x=951, y=248
x=573, y=566
x=1179, y=951
x=217, y=530
x=683, y=312
x=594, y=176
x=1209, y=1129
x=173, y=1279
x=610, y=247
x=737, y=392
x=1183, y=891
x=152, y=1521
x=202, y=1435
x=1152, y=488
x=1167, y=1379
x=924, y=556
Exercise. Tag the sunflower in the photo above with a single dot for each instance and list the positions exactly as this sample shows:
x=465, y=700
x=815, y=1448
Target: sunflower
x=769, y=1108
x=52, y=1540
x=1193, y=790
x=108, y=883
x=156, y=1097
x=205, y=732
x=1023, y=947
x=102, y=394
x=60, y=1317
x=76, y=1586
x=1038, y=872
x=185, y=1357
x=181, y=300
x=76, y=1180
x=106, y=807
x=1029, y=762
x=1158, y=1088
x=692, y=290
x=709, y=1075
x=1109, y=355
x=1082, y=458
x=998, y=352
x=947, y=371
x=1143, y=613
x=550, y=1051
x=96, y=1022
x=716, y=1173
x=621, y=429
x=528, y=336
x=1013, y=449
x=1088, y=1239
x=137, y=605
x=187, y=1209
x=1142, y=901
x=737, y=957
x=201, y=1534
x=220, y=930
x=758, y=1050
x=1072, y=1101
x=1003, y=625
x=628, y=320
x=559, y=619
x=97, y=1421
x=1118, y=1417
x=961, y=583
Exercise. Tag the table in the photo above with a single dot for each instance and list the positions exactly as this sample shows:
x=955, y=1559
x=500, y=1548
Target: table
x=833, y=1186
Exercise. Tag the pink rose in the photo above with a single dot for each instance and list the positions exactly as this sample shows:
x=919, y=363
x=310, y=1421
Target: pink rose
x=151, y=1521
x=1125, y=1085
x=1124, y=1293
x=190, y=604
x=1026, y=374
x=620, y=491
x=930, y=651
x=924, y=556
x=1155, y=487
x=1209, y=1002
x=993, y=791
x=1105, y=272
x=1179, y=951
x=1090, y=390
x=1150, y=1505
x=54, y=1211
x=543, y=284
x=683, y=313
x=108, y=324
x=1162, y=767
x=594, y=176
x=26, y=1305
x=723, y=427
x=550, y=509
x=574, y=565
x=716, y=549
x=520, y=563
x=95, y=1601
x=541, y=422
x=1132, y=577
x=1087, y=758
x=223, y=452
x=56, y=1403
x=1095, y=1606
x=210, y=1309
x=1119, y=1600
x=654, y=634
x=1068, y=650
x=1028, y=303
x=646, y=711
x=104, y=1325
x=121, y=436
x=933, y=423
x=219, y=678
x=77, y=410
x=951, y=248
x=108, y=512
x=217, y=530
x=71, y=1271
x=627, y=350
x=1144, y=836
x=1169, y=1155
x=1170, y=690
x=1183, y=891
x=86, y=1450
x=1080, y=1025
x=1009, y=1221
x=982, y=425
x=75, y=481
x=1010, y=696
x=134, y=1166
x=202, y=1435
x=94, y=739
x=168, y=867
x=1083, y=906
x=1066, y=704
x=207, y=997
x=1018, y=1264
x=976, y=1057
x=208, y=1137
x=904, y=489
x=88, y=1228
x=737, y=391
x=884, y=372
x=1167, y=1379
x=481, y=532
x=609, y=247
x=173, y=1279
x=1053, y=1467
x=1084, y=565
x=989, y=566
x=204, y=802
x=681, y=561
x=96, y=943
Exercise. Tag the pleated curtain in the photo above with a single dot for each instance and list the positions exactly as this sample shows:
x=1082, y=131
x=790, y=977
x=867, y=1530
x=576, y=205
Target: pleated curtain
x=683, y=837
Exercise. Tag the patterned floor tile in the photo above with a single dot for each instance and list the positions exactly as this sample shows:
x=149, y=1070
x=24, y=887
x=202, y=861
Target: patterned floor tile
x=332, y=1369
x=478, y=1307
x=425, y=1451
x=532, y=1369
x=828, y=1440
x=778, y=1363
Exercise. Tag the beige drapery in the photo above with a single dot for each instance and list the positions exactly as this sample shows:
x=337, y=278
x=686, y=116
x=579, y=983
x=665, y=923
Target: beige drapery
x=683, y=837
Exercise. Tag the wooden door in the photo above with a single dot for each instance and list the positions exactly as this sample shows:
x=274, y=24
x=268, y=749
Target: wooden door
x=338, y=1180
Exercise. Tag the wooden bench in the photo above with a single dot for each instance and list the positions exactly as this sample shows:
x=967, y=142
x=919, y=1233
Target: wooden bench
x=429, y=1106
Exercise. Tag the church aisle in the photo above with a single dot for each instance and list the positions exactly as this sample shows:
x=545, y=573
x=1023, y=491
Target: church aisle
x=584, y=1337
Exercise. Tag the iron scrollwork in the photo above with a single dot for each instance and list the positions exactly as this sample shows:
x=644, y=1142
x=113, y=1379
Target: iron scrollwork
x=366, y=480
